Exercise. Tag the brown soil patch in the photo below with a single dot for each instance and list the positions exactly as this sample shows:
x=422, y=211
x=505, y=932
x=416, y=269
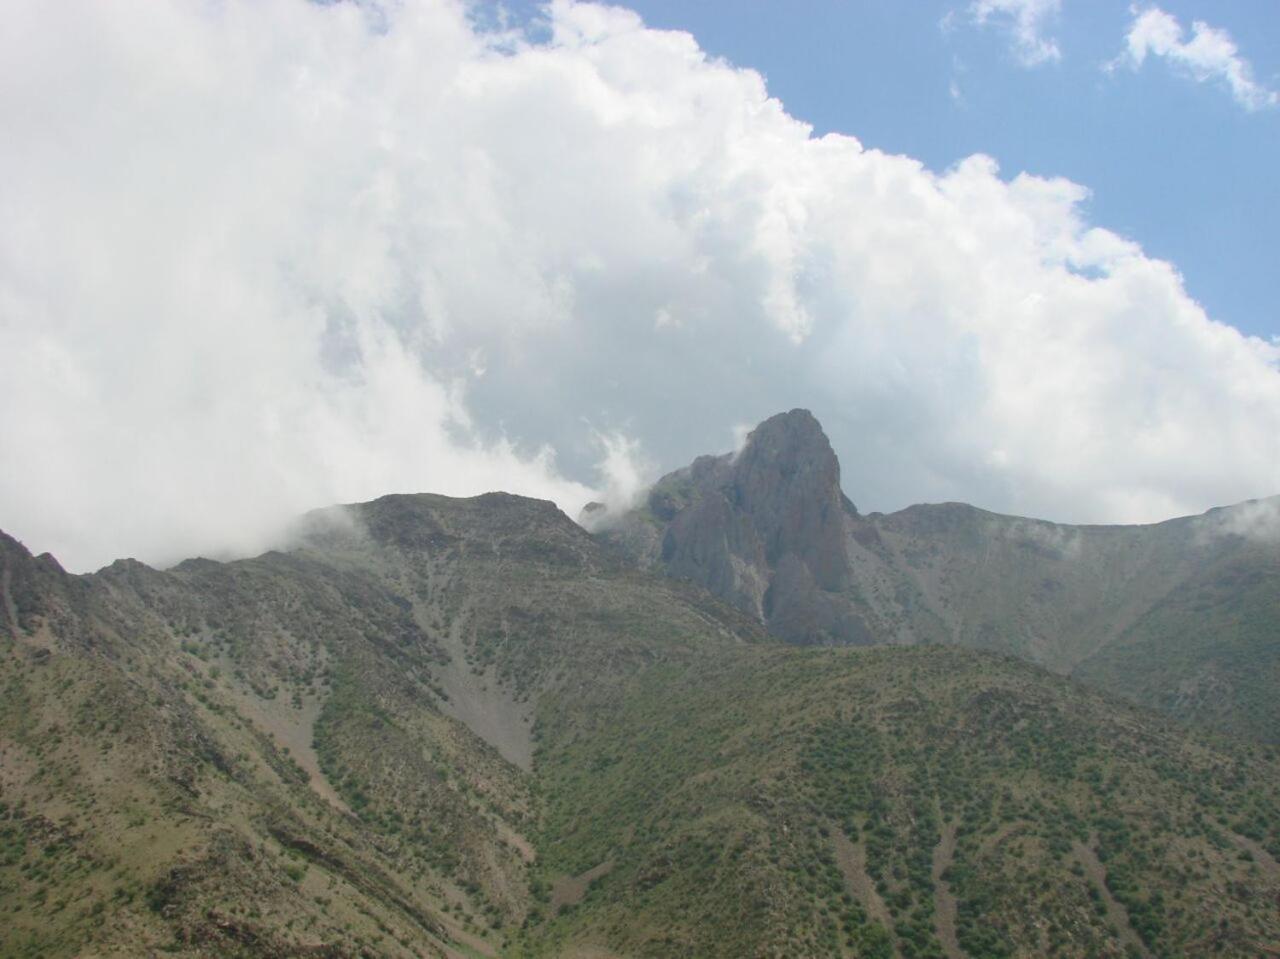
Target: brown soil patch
x=1266, y=862
x=291, y=728
x=851, y=857
x=1117, y=915
x=516, y=841
x=944, y=901
x=570, y=890
x=482, y=703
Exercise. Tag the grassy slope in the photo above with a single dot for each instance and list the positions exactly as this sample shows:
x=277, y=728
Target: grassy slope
x=146, y=715
x=692, y=795
x=717, y=797
x=1181, y=616
x=1045, y=592
x=145, y=807
x=1208, y=651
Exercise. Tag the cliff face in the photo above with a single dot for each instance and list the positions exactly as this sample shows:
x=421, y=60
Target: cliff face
x=763, y=529
x=787, y=480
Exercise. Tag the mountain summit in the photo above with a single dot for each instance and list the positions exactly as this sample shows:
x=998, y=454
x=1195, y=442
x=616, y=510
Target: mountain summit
x=763, y=528
x=787, y=480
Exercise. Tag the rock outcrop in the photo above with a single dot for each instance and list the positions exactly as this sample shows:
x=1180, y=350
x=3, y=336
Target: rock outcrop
x=763, y=529
x=1179, y=615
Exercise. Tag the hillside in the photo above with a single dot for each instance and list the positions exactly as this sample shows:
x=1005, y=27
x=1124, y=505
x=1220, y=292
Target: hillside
x=914, y=802
x=322, y=748
x=437, y=727
x=1180, y=615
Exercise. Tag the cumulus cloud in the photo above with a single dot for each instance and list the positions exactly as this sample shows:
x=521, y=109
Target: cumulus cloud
x=1027, y=22
x=1210, y=54
x=256, y=257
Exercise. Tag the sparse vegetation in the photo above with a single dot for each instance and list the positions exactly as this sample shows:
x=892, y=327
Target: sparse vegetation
x=263, y=758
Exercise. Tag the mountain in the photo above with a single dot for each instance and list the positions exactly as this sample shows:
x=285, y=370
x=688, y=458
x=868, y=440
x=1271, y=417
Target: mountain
x=323, y=751
x=1183, y=615
x=765, y=530
x=442, y=727
x=923, y=801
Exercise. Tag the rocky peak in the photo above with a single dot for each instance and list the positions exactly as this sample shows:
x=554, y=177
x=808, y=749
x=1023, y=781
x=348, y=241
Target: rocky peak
x=791, y=443
x=787, y=478
x=763, y=529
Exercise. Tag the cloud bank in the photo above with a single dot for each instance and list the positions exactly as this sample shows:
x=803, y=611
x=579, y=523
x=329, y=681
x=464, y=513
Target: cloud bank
x=1210, y=54
x=257, y=257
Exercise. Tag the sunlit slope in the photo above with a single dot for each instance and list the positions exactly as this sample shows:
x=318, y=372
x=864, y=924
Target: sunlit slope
x=900, y=801
x=466, y=727
x=320, y=749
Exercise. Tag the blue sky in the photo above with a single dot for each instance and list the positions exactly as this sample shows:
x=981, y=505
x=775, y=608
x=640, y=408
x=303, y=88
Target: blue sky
x=1173, y=163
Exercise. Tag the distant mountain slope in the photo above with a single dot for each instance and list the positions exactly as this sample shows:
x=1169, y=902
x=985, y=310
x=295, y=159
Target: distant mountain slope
x=1182, y=615
x=1207, y=649
x=439, y=727
x=770, y=531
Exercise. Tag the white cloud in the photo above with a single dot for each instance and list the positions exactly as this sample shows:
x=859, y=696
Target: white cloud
x=625, y=471
x=254, y=256
x=1210, y=54
x=1257, y=520
x=1027, y=22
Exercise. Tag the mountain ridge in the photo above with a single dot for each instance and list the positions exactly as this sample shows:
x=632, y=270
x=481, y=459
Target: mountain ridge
x=468, y=727
x=1057, y=594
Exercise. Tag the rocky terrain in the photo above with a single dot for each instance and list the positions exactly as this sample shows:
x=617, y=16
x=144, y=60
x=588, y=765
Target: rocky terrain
x=468, y=727
x=1179, y=615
